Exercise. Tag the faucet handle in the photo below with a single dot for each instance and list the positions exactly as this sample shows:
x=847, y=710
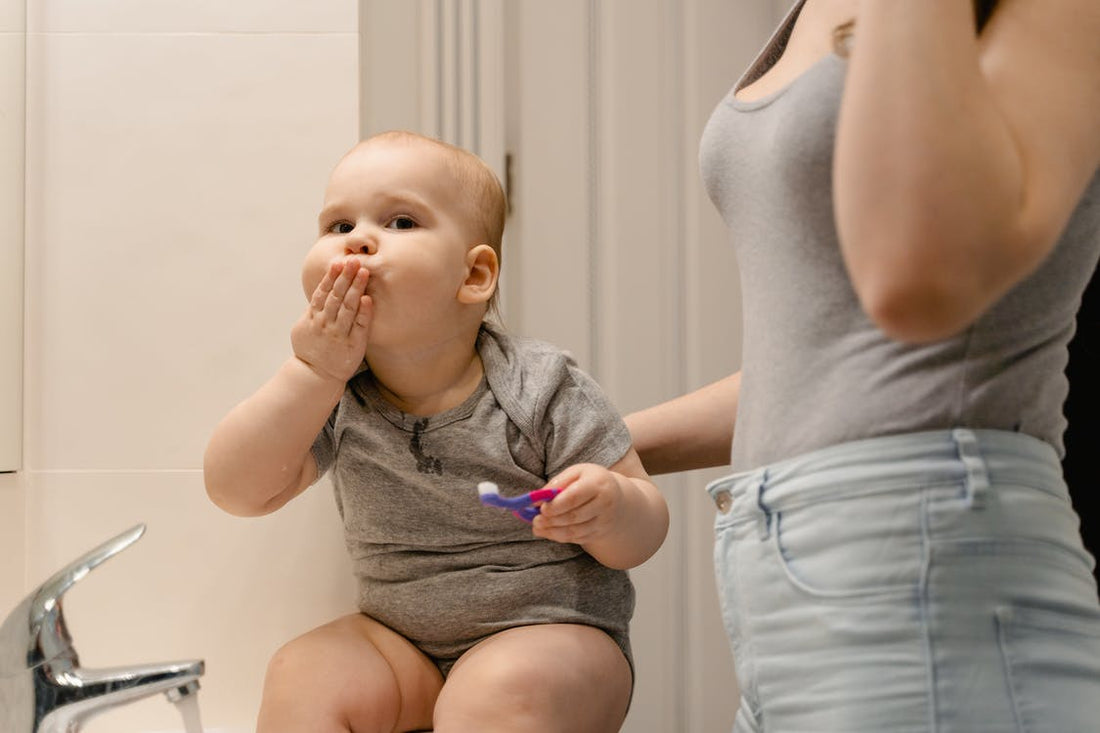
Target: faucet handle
x=38, y=624
x=49, y=593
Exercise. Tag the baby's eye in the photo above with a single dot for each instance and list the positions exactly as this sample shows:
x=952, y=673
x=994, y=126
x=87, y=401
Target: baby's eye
x=342, y=227
x=402, y=222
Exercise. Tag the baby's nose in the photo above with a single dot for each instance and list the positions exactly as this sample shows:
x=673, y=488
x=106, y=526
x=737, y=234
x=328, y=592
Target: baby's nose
x=360, y=244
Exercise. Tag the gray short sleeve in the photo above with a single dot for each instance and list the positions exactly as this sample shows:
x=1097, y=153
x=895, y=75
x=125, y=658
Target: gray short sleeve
x=557, y=406
x=581, y=425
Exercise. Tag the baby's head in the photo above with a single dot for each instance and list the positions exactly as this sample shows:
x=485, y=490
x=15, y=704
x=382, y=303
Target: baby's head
x=425, y=218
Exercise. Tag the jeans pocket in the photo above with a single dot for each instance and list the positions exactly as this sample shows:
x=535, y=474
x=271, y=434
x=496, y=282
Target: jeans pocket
x=725, y=576
x=733, y=591
x=1052, y=664
x=867, y=545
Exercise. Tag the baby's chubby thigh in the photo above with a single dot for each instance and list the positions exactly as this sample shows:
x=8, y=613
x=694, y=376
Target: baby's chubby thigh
x=352, y=673
x=542, y=678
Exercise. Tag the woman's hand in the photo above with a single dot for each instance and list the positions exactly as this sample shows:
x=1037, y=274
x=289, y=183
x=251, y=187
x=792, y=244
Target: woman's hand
x=331, y=336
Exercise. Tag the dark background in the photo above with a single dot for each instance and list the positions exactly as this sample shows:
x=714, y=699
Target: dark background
x=1082, y=461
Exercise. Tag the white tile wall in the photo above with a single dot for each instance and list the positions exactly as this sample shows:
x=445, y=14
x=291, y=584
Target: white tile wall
x=173, y=189
x=11, y=296
x=176, y=157
x=12, y=536
x=12, y=44
x=12, y=16
x=197, y=16
x=199, y=584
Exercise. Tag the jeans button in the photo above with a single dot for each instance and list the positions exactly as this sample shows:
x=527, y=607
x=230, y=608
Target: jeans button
x=724, y=501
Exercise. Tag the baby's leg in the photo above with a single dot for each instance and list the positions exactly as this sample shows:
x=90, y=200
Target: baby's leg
x=353, y=674
x=553, y=678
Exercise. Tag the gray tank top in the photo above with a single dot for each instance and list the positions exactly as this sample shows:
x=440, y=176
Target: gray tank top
x=816, y=371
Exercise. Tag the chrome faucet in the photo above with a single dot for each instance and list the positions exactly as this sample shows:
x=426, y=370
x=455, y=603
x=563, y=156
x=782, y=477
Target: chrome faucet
x=43, y=689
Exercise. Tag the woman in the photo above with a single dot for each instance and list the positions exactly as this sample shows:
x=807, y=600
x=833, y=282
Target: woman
x=912, y=189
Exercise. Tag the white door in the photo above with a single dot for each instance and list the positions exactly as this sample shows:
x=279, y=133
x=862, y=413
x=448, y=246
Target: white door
x=591, y=111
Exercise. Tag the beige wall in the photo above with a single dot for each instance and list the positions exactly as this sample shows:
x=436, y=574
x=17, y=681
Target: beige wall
x=176, y=153
x=12, y=40
x=12, y=51
x=11, y=541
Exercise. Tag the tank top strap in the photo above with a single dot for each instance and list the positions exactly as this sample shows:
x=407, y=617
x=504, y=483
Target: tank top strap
x=772, y=50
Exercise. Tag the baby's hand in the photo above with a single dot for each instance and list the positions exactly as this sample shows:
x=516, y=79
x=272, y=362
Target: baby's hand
x=331, y=336
x=586, y=509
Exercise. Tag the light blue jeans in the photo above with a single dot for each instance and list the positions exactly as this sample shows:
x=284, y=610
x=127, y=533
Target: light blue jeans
x=914, y=583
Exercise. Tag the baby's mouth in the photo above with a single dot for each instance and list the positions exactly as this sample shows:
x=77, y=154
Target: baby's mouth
x=372, y=281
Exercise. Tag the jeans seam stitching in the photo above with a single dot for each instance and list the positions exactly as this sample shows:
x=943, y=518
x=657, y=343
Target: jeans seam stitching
x=923, y=600
x=1006, y=660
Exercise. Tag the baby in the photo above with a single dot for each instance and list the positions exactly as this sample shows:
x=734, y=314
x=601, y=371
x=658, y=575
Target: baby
x=470, y=619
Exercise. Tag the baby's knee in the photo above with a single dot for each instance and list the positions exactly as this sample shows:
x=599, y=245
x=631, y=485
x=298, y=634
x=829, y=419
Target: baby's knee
x=538, y=678
x=322, y=675
x=293, y=660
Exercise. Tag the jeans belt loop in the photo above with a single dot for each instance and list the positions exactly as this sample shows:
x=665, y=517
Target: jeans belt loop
x=977, y=474
x=765, y=512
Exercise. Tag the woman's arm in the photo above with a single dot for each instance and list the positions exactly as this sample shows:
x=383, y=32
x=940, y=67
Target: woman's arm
x=960, y=159
x=688, y=432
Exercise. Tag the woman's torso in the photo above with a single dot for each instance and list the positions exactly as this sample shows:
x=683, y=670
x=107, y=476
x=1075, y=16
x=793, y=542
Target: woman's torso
x=816, y=370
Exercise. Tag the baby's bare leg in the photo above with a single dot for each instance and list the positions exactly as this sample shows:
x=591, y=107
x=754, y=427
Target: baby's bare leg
x=553, y=678
x=353, y=674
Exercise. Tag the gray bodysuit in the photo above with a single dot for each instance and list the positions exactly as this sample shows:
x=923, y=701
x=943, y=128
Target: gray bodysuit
x=432, y=563
x=816, y=370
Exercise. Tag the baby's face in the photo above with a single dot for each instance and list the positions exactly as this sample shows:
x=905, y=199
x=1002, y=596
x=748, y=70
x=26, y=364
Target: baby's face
x=394, y=206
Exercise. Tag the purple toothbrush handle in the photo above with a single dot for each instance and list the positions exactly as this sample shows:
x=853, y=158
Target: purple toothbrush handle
x=523, y=506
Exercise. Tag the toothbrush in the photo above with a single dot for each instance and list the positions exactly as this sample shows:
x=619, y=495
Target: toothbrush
x=521, y=506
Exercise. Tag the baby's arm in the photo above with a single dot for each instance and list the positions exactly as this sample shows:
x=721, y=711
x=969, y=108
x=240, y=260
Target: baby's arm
x=259, y=455
x=616, y=514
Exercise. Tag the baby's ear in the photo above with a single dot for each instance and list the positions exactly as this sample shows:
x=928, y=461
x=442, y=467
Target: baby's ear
x=482, y=271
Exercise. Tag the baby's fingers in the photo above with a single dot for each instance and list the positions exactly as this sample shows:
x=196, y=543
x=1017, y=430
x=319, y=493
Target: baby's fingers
x=351, y=305
x=340, y=287
x=360, y=326
x=321, y=292
x=576, y=532
x=577, y=505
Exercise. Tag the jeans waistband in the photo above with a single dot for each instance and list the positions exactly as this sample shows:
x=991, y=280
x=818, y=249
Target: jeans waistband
x=975, y=457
